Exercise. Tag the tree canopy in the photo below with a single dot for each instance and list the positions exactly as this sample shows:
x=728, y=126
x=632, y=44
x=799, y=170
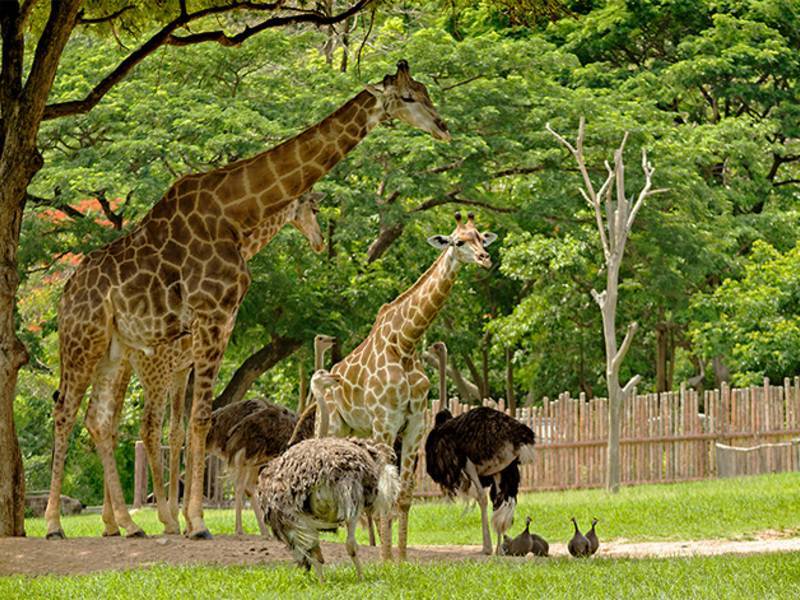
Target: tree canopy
x=709, y=88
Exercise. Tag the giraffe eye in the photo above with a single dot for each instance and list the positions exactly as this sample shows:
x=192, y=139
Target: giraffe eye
x=460, y=243
x=409, y=99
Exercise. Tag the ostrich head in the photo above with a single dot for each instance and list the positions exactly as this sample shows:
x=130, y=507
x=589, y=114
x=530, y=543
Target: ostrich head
x=323, y=380
x=467, y=244
x=443, y=416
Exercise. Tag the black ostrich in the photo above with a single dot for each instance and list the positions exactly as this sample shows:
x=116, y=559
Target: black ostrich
x=479, y=449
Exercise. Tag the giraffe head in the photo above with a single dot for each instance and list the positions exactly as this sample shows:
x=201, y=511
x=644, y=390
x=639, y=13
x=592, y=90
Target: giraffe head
x=304, y=219
x=468, y=244
x=406, y=99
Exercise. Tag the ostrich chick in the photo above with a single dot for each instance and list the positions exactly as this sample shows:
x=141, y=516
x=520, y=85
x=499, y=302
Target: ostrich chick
x=321, y=483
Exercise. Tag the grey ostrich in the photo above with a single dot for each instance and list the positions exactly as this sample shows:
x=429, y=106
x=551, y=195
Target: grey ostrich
x=321, y=483
x=480, y=448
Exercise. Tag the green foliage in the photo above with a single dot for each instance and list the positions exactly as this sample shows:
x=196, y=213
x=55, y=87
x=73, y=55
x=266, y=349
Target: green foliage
x=709, y=88
x=754, y=321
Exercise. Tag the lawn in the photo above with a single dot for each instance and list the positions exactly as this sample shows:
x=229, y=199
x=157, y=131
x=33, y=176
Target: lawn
x=715, y=509
x=764, y=576
x=719, y=509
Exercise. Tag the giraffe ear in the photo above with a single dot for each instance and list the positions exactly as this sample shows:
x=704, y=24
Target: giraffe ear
x=439, y=241
x=488, y=238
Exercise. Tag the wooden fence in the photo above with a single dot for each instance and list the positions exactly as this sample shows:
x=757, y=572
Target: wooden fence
x=666, y=437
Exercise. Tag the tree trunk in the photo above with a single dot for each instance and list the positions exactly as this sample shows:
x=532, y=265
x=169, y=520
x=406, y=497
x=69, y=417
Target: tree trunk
x=254, y=366
x=12, y=357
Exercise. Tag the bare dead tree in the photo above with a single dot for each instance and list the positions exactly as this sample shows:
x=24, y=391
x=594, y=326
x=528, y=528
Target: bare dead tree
x=614, y=214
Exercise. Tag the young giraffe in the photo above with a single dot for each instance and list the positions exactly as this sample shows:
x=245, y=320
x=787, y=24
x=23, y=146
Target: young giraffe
x=182, y=272
x=384, y=388
x=164, y=374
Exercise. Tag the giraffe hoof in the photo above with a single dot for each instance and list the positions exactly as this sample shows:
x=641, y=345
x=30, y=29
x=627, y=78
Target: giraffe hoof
x=203, y=534
x=56, y=535
x=111, y=533
x=137, y=534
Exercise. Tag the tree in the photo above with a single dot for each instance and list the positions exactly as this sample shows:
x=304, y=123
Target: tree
x=614, y=215
x=23, y=108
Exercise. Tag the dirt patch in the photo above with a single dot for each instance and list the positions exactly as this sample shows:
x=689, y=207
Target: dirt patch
x=36, y=556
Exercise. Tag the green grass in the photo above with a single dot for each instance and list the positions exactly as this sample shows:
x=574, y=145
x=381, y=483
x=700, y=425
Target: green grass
x=765, y=576
x=715, y=509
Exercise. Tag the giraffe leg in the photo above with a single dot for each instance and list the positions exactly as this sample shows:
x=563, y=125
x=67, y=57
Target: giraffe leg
x=176, y=437
x=100, y=423
x=380, y=434
x=480, y=496
x=412, y=437
x=121, y=386
x=150, y=432
x=208, y=343
x=187, y=484
x=65, y=410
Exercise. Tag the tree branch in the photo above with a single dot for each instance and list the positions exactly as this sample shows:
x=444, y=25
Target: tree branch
x=53, y=203
x=588, y=194
x=251, y=369
x=452, y=198
x=164, y=36
x=633, y=382
x=313, y=17
x=599, y=297
x=106, y=19
x=626, y=343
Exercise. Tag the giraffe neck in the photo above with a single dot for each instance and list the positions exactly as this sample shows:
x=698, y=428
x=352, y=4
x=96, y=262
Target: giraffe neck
x=413, y=311
x=251, y=190
x=253, y=241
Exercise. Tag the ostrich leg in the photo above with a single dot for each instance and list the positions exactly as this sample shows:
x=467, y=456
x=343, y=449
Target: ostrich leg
x=480, y=496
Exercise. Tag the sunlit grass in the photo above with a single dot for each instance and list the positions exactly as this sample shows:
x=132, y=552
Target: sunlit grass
x=763, y=576
x=714, y=509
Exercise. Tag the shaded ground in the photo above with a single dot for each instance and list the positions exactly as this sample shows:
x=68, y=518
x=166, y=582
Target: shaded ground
x=36, y=556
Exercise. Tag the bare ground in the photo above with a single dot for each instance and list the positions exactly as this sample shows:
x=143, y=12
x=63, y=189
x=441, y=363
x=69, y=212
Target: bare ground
x=36, y=556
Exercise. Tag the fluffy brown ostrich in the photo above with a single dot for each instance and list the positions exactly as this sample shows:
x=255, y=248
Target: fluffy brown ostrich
x=480, y=448
x=320, y=484
x=247, y=435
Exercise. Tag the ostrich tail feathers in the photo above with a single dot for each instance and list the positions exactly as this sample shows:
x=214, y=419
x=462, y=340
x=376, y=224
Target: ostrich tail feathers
x=503, y=516
x=526, y=454
x=388, y=490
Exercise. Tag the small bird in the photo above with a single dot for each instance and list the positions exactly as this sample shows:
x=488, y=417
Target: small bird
x=579, y=546
x=525, y=543
x=594, y=543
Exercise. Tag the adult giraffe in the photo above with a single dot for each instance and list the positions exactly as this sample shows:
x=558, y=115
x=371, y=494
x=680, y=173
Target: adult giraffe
x=384, y=389
x=164, y=370
x=181, y=272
